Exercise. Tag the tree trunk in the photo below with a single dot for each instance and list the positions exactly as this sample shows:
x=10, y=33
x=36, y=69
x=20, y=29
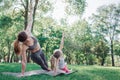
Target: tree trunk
x=112, y=55
x=29, y=8
x=9, y=48
x=26, y=14
x=34, y=11
x=16, y=59
x=11, y=59
x=103, y=61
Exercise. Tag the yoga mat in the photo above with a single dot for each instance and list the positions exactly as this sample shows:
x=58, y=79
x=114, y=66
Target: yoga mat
x=37, y=72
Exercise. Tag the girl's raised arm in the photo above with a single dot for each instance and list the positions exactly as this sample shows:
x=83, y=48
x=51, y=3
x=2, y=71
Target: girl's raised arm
x=62, y=42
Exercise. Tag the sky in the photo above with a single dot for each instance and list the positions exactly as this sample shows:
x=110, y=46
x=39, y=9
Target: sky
x=91, y=8
x=92, y=5
x=59, y=10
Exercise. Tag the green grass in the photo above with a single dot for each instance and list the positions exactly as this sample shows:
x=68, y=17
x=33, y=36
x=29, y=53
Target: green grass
x=84, y=73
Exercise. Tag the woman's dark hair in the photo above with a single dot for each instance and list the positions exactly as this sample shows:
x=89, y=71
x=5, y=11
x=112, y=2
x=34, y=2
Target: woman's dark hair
x=22, y=36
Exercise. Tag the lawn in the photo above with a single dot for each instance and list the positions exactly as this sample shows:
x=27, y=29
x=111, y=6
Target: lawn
x=84, y=73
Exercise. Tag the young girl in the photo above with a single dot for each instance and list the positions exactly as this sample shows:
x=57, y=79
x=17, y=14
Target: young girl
x=57, y=59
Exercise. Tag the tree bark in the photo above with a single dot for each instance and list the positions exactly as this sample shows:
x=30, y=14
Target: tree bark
x=112, y=55
x=34, y=11
x=11, y=59
x=102, y=63
x=26, y=14
x=29, y=15
x=9, y=48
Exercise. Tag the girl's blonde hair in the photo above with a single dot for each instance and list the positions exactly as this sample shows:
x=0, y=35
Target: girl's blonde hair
x=53, y=62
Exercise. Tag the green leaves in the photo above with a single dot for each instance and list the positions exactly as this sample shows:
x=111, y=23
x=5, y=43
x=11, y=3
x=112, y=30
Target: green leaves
x=75, y=7
x=5, y=21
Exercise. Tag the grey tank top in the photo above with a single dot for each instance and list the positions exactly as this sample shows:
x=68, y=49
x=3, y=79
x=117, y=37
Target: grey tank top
x=34, y=45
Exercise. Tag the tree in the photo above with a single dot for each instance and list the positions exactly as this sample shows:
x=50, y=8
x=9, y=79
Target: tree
x=78, y=41
x=107, y=23
x=4, y=6
x=75, y=7
x=101, y=50
x=117, y=48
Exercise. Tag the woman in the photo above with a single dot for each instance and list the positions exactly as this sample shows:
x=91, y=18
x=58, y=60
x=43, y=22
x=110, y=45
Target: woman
x=25, y=42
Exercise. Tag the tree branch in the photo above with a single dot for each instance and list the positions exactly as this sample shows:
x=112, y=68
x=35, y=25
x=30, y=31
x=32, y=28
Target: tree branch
x=34, y=11
x=23, y=3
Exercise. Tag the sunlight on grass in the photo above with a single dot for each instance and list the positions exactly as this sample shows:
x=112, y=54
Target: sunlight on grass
x=84, y=73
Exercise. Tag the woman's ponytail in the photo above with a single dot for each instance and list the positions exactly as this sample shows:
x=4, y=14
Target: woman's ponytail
x=17, y=47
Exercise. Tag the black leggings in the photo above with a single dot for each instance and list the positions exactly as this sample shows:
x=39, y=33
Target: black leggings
x=39, y=58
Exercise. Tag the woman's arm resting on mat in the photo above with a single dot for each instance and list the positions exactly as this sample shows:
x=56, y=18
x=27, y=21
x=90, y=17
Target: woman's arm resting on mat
x=24, y=61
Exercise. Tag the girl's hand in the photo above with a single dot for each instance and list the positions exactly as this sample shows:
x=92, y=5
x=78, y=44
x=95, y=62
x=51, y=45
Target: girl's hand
x=54, y=73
